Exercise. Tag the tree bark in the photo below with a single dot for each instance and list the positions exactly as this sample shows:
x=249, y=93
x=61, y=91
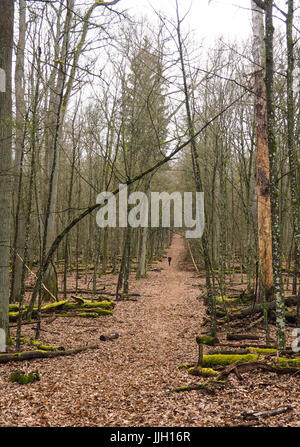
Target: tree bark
x=6, y=45
x=262, y=159
x=276, y=249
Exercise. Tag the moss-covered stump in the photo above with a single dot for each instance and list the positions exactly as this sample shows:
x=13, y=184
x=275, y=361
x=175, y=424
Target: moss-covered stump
x=203, y=372
x=206, y=340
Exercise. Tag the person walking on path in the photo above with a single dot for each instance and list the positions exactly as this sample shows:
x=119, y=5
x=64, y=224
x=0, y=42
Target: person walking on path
x=169, y=260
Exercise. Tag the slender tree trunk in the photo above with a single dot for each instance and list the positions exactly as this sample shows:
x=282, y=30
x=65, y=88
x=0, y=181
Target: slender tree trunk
x=6, y=45
x=276, y=252
x=18, y=246
x=198, y=183
x=142, y=261
x=294, y=181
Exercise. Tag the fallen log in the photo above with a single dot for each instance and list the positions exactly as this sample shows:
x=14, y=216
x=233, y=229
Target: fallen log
x=257, y=308
x=258, y=349
x=39, y=354
x=242, y=337
x=250, y=366
x=57, y=308
x=254, y=415
x=41, y=346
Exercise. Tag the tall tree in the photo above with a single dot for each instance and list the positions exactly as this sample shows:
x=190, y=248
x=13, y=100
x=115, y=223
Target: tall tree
x=19, y=233
x=267, y=6
x=6, y=45
x=262, y=157
x=197, y=174
x=292, y=153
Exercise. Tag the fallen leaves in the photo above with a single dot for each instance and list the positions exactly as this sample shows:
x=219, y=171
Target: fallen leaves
x=126, y=381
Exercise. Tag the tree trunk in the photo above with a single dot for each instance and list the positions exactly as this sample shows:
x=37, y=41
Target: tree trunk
x=276, y=251
x=294, y=181
x=262, y=158
x=18, y=246
x=6, y=45
x=198, y=183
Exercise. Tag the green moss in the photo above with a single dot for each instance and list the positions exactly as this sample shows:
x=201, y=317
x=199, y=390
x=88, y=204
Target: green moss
x=226, y=359
x=206, y=340
x=103, y=304
x=44, y=347
x=13, y=307
x=221, y=300
x=95, y=314
x=262, y=350
x=13, y=316
x=289, y=362
x=23, y=379
x=54, y=306
x=180, y=388
x=204, y=372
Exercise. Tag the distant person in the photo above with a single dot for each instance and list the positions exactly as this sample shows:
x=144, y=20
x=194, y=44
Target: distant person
x=169, y=260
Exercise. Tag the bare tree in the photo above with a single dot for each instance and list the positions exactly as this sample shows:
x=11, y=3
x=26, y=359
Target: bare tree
x=6, y=45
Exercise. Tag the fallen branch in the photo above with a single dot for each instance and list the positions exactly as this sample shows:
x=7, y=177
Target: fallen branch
x=39, y=354
x=264, y=414
x=289, y=301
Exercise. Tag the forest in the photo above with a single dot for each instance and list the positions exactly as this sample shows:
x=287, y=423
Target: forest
x=149, y=217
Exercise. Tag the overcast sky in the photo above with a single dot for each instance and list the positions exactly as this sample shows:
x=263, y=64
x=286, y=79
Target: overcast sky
x=232, y=19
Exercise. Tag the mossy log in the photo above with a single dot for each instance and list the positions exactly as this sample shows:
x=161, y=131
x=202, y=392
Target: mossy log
x=99, y=307
x=41, y=346
x=203, y=372
x=40, y=354
x=226, y=359
x=88, y=313
x=214, y=360
x=206, y=386
x=252, y=350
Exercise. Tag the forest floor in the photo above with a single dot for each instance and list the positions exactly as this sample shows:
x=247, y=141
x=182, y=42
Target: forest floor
x=128, y=381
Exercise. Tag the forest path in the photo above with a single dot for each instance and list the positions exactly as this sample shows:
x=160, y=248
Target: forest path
x=156, y=334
